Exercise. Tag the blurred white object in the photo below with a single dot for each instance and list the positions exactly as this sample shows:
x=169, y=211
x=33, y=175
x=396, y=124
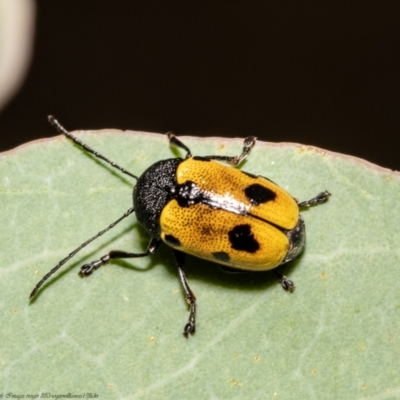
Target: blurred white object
x=16, y=40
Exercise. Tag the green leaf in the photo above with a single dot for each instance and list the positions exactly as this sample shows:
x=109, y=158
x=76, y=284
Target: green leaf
x=118, y=333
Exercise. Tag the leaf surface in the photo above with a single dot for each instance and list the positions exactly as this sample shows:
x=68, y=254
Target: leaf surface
x=118, y=333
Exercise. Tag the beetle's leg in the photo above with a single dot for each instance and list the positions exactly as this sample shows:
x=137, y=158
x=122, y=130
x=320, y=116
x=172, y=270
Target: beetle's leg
x=318, y=199
x=285, y=282
x=87, y=269
x=248, y=144
x=190, y=327
x=176, y=142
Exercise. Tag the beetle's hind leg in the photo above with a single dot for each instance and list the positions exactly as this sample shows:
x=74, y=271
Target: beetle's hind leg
x=318, y=199
x=190, y=327
x=285, y=282
x=87, y=269
x=248, y=144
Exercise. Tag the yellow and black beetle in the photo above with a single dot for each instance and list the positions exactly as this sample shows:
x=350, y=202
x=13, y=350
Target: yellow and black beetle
x=198, y=206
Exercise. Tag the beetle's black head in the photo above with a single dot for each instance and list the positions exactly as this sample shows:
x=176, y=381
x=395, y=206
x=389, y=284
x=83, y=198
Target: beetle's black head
x=153, y=191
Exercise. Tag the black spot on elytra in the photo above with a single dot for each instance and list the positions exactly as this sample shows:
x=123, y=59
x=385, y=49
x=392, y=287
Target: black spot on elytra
x=172, y=240
x=199, y=158
x=242, y=239
x=258, y=194
x=221, y=256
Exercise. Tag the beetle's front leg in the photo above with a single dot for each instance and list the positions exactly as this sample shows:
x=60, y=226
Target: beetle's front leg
x=190, y=327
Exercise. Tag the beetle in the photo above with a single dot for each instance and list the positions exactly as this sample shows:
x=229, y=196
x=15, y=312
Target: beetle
x=199, y=206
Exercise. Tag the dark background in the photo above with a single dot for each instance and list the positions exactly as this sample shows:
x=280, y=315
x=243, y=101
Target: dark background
x=320, y=73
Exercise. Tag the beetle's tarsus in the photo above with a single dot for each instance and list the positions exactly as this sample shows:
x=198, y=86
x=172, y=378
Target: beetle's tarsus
x=287, y=284
x=318, y=199
x=190, y=327
x=87, y=269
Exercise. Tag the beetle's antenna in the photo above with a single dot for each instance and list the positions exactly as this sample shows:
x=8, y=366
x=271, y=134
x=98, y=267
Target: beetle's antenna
x=62, y=262
x=62, y=130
